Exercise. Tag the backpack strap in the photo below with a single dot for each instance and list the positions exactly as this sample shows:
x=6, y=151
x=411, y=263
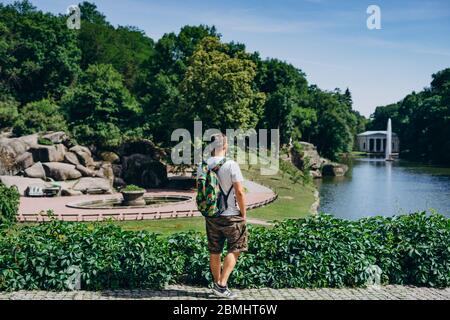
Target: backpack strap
x=219, y=165
x=216, y=169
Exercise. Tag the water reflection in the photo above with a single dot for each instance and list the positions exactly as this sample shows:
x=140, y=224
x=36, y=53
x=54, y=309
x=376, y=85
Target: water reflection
x=376, y=187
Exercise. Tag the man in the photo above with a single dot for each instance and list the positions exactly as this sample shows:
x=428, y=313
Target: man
x=230, y=226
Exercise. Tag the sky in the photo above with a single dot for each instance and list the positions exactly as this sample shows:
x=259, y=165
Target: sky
x=327, y=39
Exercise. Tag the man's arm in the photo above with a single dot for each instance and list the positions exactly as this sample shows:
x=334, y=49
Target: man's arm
x=240, y=198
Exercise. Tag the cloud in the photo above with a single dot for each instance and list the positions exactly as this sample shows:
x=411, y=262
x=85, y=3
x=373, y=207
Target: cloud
x=396, y=45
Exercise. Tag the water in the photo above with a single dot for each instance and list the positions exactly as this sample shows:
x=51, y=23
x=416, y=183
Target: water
x=376, y=187
x=116, y=203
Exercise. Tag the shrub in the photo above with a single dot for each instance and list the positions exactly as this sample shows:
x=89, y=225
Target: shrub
x=323, y=251
x=132, y=187
x=99, y=108
x=319, y=251
x=9, y=204
x=44, y=141
x=8, y=111
x=39, y=116
x=42, y=256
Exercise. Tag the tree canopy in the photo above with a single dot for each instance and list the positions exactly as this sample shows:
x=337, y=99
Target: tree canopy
x=99, y=108
x=115, y=82
x=422, y=121
x=217, y=88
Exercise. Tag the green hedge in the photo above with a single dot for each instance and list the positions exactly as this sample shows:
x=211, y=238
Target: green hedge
x=9, y=204
x=319, y=251
x=42, y=256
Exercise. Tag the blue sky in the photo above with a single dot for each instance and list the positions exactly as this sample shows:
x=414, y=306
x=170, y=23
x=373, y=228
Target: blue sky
x=327, y=39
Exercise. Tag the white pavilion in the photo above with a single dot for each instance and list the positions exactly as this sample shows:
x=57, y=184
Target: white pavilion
x=375, y=142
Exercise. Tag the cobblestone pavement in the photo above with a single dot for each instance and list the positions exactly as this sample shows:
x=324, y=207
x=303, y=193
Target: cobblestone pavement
x=194, y=293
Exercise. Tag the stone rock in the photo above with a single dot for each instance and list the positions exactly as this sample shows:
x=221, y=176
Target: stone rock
x=25, y=160
x=117, y=170
x=334, y=169
x=56, y=137
x=315, y=174
x=8, y=165
x=84, y=155
x=119, y=183
x=79, y=148
x=22, y=183
x=70, y=193
x=144, y=171
x=92, y=185
x=308, y=155
x=17, y=146
x=61, y=171
x=107, y=172
x=71, y=158
x=35, y=171
x=85, y=171
x=142, y=146
x=53, y=153
x=110, y=157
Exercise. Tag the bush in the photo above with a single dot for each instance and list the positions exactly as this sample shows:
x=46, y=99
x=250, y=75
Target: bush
x=9, y=204
x=42, y=257
x=99, y=108
x=132, y=187
x=323, y=251
x=8, y=111
x=45, y=141
x=319, y=251
x=39, y=116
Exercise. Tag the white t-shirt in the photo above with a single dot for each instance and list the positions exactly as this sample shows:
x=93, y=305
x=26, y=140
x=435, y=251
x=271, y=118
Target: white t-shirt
x=228, y=174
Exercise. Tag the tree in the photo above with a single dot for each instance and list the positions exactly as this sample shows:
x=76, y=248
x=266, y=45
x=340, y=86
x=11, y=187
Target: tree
x=39, y=54
x=422, y=121
x=39, y=116
x=126, y=48
x=8, y=111
x=90, y=14
x=99, y=109
x=334, y=130
x=285, y=87
x=158, y=84
x=217, y=88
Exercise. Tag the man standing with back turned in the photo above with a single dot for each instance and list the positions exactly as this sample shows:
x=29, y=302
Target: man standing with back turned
x=230, y=225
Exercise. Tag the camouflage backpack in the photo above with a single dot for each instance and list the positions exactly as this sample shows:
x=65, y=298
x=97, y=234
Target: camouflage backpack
x=211, y=200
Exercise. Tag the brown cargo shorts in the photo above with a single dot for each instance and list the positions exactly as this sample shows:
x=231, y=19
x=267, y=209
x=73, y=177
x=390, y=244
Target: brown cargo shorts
x=233, y=229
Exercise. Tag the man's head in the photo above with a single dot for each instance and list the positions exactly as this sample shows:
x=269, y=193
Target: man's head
x=220, y=144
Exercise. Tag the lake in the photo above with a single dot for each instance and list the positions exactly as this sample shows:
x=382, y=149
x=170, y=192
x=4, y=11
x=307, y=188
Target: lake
x=376, y=187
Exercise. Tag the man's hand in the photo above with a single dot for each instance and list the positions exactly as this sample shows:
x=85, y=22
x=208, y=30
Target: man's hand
x=240, y=198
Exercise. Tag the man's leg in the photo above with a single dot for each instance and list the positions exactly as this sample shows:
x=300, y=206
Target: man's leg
x=228, y=266
x=215, y=265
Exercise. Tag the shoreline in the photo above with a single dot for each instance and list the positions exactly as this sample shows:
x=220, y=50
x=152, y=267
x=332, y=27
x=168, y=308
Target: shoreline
x=316, y=204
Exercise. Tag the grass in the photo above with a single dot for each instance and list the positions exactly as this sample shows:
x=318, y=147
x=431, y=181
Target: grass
x=294, y=201
x=294, y=198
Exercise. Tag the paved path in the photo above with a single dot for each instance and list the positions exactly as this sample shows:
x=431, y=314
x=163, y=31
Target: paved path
x=30, y=208
x=194, y=293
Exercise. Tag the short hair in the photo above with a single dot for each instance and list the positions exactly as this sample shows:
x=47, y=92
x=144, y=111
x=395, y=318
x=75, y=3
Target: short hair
x=220, y=140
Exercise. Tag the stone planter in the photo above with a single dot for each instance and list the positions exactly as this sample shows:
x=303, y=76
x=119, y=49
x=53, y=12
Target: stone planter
x=133, y=198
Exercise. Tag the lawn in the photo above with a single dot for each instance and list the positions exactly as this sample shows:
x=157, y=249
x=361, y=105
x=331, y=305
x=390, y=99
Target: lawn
x=294, y=201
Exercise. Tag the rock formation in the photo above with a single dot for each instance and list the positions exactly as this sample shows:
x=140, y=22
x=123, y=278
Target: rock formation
x=23, y=160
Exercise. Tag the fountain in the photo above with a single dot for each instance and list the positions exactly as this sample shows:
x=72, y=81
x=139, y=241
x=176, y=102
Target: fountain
x=389, y=141
x=132, y=197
